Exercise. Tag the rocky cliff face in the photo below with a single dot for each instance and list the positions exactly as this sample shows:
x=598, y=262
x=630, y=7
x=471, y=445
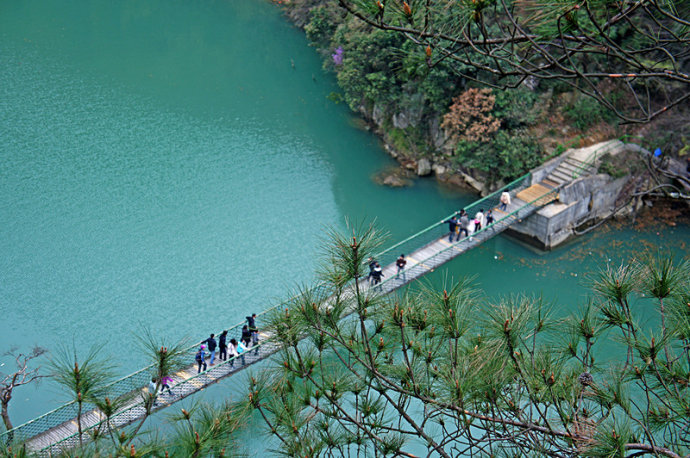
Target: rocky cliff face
x=434, y=160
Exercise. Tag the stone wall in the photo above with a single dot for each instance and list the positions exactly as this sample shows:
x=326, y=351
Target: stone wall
x=547, y=167
x=588, y=198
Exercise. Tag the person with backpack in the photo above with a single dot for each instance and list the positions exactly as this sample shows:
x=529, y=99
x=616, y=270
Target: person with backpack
x=211, y=342
x=201, y=358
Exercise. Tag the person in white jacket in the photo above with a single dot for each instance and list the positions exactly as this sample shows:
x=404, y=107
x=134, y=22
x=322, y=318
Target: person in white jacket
x=232, y=352
x=505, y=200
x=479, y=220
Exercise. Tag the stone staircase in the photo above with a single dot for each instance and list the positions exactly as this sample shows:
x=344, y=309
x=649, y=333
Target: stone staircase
x=567, y=170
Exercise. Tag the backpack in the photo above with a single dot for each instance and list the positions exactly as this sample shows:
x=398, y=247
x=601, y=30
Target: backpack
x=198, y=357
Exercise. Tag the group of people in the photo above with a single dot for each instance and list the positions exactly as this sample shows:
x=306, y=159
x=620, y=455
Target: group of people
x=376, y=272
x=166, y=383
x=228, y=349
x=460, y=223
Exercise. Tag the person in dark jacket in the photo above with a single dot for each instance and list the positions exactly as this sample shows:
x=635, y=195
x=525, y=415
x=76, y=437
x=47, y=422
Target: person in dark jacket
x=211, y=342
x=246, y=336
x=223, y=346
x=452, y=224
x=251, y=323
x=400, y=264
x=377, y=274
x=489, y=217
x=201, y=358
x=372, y=266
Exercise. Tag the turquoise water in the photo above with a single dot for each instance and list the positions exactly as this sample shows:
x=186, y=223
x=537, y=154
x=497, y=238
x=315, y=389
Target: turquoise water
x=174, y=165
x=171, y=165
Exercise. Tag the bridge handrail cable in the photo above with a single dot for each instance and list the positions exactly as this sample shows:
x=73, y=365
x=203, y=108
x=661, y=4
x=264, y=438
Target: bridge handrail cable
x=138, y=379
x=192, y=379
x=475, y=204
x=484, y=229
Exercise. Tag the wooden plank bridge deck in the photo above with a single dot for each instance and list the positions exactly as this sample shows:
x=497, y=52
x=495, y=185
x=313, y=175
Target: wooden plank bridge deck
x=423, y=260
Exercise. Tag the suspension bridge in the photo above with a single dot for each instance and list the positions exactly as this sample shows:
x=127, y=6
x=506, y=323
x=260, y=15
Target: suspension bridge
x=57, y=430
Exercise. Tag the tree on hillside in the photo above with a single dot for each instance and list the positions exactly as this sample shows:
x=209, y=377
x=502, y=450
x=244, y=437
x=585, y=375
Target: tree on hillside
x=633, y=56
x=469, y=117
x=449, y=373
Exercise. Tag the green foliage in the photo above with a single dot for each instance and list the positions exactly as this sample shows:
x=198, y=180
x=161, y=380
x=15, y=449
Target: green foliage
x=370, y=65
x=507, y=156
x=321, y=26
x=586, y=112
x=515, y=108
x=608, y=167
x=83, y=377
x=198, y=432
x=453, y=373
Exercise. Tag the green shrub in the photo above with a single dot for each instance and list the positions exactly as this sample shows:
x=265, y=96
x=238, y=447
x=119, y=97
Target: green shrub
x=620, y=165
x=586, y=112
x=507, y=156
x=321, y=26
x=515, y=107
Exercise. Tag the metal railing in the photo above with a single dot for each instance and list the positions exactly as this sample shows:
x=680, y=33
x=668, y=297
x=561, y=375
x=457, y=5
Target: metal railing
x=504, y=221
x=594, y=155
x=428, y=234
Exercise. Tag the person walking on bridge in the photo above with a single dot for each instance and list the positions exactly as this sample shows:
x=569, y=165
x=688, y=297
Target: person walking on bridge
x=241, y=350
x=489, y=217
x=233, y=352
x=166, y=383
x=211, y=342
x=452, y=224
x=479, y=221
x=377, y=274
x=223, y=345
x=246, y=336
x=153, y=391
x=505, y=200
x=201, y=358
x=372, y=265
x=400, y=263
x=464, y=224
x=251, y=323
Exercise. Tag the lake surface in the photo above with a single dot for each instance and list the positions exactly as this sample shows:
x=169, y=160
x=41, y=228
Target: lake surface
x=175, y=165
